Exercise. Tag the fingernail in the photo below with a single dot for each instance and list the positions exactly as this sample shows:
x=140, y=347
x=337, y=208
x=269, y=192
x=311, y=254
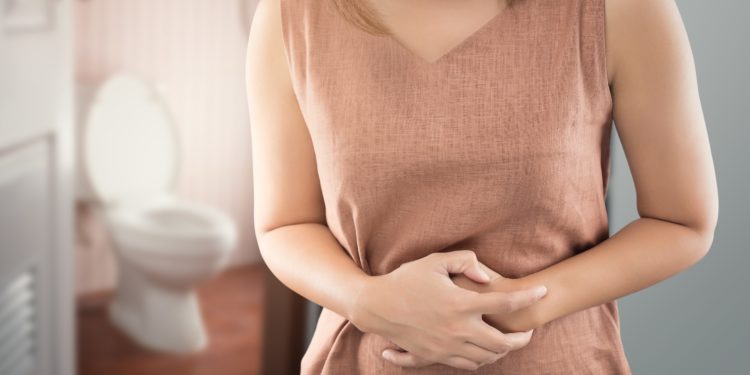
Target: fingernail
x=541, y=290
x=484, y=275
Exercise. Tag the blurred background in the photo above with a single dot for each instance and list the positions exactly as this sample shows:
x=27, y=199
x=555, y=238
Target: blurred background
x=126, y=233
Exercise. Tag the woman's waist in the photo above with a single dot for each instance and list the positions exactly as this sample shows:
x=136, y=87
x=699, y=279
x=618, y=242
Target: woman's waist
x=586, y=342
x=508, y=253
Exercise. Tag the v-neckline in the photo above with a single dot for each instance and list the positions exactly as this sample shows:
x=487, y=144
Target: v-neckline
x=465, y=43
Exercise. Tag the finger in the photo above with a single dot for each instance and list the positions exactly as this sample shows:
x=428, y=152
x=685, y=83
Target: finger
x=518, y=340
x=464, y=262
x=462, y=363
x=478, y=354
x=489, y=271
x=490, y=338
x=404, y=359
x=504, y=302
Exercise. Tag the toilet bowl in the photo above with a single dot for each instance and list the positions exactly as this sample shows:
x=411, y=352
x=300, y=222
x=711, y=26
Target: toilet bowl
x=164, y=246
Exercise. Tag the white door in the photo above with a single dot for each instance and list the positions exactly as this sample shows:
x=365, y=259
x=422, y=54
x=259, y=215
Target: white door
x=36, y=293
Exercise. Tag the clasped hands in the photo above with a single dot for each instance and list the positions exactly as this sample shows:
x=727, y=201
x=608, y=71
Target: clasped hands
x=446, y=308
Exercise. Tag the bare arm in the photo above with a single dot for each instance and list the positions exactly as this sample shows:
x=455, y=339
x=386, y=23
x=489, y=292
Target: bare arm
x=658, y=116
x=289, y=212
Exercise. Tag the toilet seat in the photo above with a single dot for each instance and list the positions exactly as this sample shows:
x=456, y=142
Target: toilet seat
x=165, y=226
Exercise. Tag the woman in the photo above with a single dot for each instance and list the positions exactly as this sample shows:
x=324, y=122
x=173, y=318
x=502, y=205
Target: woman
x=402, y=147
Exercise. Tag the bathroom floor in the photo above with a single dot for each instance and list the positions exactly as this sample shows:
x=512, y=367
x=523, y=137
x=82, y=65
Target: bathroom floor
x=232, y=309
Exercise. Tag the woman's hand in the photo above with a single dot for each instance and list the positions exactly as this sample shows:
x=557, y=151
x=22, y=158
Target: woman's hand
x=509, y=321
x=420, y=309
x=514, y=321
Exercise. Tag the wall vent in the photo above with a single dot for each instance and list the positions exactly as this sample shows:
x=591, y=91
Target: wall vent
x=17, y=326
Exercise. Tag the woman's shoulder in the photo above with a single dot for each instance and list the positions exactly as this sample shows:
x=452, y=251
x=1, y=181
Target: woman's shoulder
x=637, y=30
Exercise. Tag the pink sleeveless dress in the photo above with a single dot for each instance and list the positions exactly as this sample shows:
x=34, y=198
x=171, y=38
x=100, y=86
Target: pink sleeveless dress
x=500, y=146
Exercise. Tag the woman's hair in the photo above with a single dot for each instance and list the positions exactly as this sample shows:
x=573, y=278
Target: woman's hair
x=360, y=14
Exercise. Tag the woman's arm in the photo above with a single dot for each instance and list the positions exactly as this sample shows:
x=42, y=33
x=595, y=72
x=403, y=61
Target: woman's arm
x=660, y=122
x=289, y=213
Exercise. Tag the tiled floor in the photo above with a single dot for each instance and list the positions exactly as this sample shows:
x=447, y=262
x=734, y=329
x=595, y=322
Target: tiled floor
x=232, y=308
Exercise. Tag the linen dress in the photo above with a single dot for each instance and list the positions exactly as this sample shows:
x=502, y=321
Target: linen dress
x=500, y=146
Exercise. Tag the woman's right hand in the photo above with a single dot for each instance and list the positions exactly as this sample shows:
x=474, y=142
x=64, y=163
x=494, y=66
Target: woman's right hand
x=419, y=308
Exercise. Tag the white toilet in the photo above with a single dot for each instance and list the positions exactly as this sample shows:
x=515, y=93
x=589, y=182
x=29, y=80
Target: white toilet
x=164, y=246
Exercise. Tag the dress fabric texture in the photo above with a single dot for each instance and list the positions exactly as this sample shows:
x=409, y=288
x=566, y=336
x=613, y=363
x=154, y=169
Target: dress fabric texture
x=500, y=146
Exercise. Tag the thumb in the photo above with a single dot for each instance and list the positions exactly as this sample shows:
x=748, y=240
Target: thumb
x=464, y=262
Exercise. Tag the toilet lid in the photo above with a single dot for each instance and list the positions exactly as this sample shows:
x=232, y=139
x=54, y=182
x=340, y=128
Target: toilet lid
x=129, y=140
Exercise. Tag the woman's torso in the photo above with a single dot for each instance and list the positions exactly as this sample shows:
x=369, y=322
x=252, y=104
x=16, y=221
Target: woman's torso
x=501, y=146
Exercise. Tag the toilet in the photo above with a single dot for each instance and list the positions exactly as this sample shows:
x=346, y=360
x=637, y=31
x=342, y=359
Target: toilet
x=164, y=246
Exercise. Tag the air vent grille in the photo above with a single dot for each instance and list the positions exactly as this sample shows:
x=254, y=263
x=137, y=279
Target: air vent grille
x=17, y=326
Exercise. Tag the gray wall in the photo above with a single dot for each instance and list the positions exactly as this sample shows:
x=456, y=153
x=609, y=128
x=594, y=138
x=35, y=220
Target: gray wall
x=697, y=322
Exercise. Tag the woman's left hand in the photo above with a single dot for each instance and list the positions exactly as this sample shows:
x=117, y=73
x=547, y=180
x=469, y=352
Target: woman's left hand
x=516, y=321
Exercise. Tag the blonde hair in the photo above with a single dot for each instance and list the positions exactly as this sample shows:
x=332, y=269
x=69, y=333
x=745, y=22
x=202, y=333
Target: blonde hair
x=362, y=15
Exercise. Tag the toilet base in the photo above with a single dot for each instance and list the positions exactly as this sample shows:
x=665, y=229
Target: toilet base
x=157, y=317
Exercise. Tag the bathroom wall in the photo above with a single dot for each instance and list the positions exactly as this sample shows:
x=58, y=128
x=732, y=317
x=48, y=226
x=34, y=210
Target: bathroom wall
x=195, y=50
